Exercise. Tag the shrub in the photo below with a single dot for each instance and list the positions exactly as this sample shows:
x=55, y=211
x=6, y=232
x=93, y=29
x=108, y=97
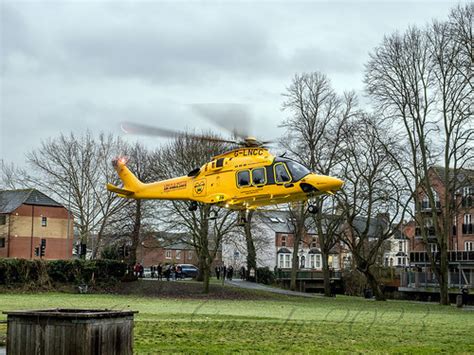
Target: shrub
x=40, y=272
x=265, y=276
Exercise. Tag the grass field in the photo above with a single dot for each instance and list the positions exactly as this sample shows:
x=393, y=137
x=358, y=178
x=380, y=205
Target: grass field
x=275, y=323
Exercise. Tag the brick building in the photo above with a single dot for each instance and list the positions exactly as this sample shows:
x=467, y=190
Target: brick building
x=29, y=219
x=461, y=237
x=169, y=248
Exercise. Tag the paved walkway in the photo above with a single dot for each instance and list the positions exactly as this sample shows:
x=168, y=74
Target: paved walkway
x=260, y=287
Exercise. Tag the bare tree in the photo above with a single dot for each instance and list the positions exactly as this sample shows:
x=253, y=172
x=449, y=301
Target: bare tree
x=136, y=216
x=179, y=157
x=10, y=176
x=373, y=197
x=422, y=79
x=74, y=169
x=314, y=133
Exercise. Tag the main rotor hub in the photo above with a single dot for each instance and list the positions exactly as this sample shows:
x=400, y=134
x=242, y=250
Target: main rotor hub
x=251, y=142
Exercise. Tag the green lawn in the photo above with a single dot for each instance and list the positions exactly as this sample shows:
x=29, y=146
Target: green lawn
x=279, y=324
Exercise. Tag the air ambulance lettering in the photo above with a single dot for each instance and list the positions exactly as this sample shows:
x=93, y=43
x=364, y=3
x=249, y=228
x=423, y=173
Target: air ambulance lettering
x=175, y=186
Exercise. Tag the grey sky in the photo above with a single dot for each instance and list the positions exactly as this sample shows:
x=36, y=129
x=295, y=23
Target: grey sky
x=77, y=65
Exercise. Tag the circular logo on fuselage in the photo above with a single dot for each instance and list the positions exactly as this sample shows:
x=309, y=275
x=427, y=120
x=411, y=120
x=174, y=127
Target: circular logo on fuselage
x=199, y=187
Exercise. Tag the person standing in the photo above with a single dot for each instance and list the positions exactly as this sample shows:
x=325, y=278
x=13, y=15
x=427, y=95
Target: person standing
x=159, y=270
x=218, y=271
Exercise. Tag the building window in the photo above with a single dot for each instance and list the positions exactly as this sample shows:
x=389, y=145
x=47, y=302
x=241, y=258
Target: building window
x=467, y=191
x=178, y=254
x=259, y=177
x=433, y=247
x=281, y=173
x=400, y=246
x=335, y=262
x=311, y=261
x=2, y=242
x=44, y=221
x=314, y=243
x=168, y=254
x=287, y=261
x=243, y=178
x=3, y=219
x=190, y=255
x=467, y=219
x=399, y=261
x=467, y=227
x=302, y=262
x=386, y=261
x=318, y=261
x=283, y=240
x=469, y=246
x=425, y=201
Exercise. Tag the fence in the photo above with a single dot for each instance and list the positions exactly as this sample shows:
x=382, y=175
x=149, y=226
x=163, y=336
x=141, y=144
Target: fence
x=427, y=279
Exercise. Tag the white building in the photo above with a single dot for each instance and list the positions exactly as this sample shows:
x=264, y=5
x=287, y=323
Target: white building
x=272, y=231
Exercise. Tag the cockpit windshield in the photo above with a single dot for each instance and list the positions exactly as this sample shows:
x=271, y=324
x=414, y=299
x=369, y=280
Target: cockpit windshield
x=297, y=170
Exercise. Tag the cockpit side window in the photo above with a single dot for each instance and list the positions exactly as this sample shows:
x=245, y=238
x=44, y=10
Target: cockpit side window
x=281, y=173
x=297, y=170
x=243, y=178
x=259, y=177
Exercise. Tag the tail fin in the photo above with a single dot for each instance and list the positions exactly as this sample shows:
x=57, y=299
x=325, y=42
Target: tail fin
x=131, y=184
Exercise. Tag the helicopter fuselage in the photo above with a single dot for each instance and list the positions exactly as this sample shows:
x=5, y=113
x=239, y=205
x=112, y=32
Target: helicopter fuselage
x=244, y=178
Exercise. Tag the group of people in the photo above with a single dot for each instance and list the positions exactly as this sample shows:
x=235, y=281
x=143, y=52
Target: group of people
x=167, y=271
x=226, y=272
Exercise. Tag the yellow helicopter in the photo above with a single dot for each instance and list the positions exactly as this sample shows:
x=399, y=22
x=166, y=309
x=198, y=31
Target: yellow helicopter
x=242, y=179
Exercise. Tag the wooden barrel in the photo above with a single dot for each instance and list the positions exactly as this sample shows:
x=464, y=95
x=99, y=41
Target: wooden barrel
x=70, y=331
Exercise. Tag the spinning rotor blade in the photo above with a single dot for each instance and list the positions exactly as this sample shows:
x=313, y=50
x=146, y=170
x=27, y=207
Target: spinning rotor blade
x=145, y=130
x=141, y=129
x=235, y=118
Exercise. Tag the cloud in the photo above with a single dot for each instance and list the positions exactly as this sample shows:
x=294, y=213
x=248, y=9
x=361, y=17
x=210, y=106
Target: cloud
x=72, y=66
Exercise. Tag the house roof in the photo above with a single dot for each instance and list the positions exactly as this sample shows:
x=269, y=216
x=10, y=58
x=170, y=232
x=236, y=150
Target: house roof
x=10, y=200
x=465, y=177
x=377, y=226
x=170, y=240
x=280, y=221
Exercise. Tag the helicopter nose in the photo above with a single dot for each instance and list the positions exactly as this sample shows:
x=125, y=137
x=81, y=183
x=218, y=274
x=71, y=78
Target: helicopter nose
x=334, y=184
x=323, y=183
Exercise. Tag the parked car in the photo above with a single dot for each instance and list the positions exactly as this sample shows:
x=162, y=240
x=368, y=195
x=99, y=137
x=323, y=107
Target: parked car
x=189, y=270
x=147, y=272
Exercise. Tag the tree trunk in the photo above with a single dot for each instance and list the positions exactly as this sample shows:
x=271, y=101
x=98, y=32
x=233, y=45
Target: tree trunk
x=201, y=266
x=375, y=285
x=443, y=277
x=294, y=264
x=326, y=276
x=135, y=235
x=206, y=277
x=251, y=252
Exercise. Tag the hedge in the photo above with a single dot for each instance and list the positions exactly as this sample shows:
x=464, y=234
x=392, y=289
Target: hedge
x=39, y=272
